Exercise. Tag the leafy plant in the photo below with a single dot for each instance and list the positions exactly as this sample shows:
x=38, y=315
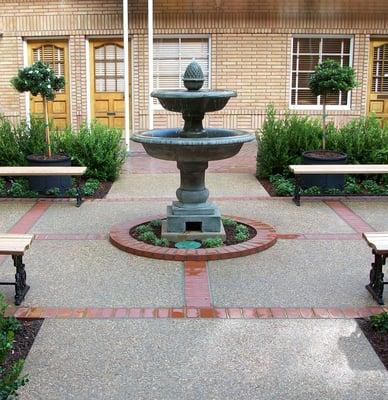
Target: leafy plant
x=351, y=186
x=241, y=236
x=212, y=242
x=10, y=381
x=143, y=228
x=229, y=222
x=3, y=190
x=72, y=192
x=372, y=187
x=330, y=77
x=332, y=191
x=242, y=228
x=19, y=188
x=156, y=223
x=90, y=187
x=312, y=191
x=282, y=186
x=40, y=80
x=97, y=147
x=163, y=242
x=54, y=191
x=380, y=322
x=148, y=236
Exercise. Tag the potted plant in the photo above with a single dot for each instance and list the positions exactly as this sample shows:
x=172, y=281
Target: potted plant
x=40, y=80
x=328, y=77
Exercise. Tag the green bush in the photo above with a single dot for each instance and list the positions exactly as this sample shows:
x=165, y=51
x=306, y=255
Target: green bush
x=3, y=189
x=363, y=140
x=229, y=222
x=10, y=381
x=282, y=186
x=281, y=142
x=162, y=242
x=20, y=188
x=351, y=186
x=143, y=228
x=90, y=187
x=212, y=242
x=149, y=237
x=241, y=236
x=380, y=322
x=32, y=136
x=312, y=191
x=156, y=223
x=372, y=187
x=54, y=191
x=10, y=151
x=97, y=147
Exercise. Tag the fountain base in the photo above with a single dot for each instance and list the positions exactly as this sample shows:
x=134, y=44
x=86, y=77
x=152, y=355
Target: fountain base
x=193, y=222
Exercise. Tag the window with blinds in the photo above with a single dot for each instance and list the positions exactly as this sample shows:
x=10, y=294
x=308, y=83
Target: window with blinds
x=380, y=69
x=53, y=56
x=306, y=54
x=109, y=68
x=171, y=57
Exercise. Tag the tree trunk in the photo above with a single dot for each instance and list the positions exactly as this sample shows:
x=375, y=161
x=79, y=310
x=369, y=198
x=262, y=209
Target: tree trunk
x=46, y=127
x=324, y=122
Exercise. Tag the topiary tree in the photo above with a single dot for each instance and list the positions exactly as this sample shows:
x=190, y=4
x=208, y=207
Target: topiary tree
x=40, y=79
x=330, y=77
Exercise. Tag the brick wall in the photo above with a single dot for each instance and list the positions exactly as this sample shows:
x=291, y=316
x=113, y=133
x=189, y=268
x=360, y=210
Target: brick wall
x=250, y=44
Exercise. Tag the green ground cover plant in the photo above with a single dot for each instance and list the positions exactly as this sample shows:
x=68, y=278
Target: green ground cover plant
x=10, y=379
x=380, y=322
x=212, y=242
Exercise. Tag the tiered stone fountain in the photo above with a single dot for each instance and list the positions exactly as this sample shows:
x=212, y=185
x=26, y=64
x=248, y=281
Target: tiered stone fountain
x=192, y=216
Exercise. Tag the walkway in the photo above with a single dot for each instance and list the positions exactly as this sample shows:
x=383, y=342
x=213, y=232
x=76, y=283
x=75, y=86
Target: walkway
x=275, y=325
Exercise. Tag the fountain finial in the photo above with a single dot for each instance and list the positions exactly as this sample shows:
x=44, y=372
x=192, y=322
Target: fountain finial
x=193, y=77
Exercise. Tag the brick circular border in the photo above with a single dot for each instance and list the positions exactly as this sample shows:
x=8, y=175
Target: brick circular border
x=264, y=239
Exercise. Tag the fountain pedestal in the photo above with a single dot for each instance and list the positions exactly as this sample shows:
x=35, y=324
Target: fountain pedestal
x=192, y=217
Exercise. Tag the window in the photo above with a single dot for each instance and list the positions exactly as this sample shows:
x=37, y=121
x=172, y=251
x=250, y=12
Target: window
x=380, y=69
x=171, y=57
x=306, y=54
x=109, y=68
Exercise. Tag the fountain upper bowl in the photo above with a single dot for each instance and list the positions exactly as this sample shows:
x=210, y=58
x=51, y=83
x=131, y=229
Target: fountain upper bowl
x=213, y=144
x=195, y=100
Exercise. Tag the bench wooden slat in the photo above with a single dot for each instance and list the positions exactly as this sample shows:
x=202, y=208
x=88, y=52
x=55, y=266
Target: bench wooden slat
x=377, y=241
x=42, y=171
x=340, y=169
x=14, y=243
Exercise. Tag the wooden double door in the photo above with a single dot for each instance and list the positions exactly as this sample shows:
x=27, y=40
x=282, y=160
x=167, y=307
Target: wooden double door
x=107, y=82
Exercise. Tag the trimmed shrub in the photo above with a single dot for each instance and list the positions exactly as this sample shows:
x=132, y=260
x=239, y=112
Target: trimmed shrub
x=281, y=142
x=98, y=148
x=10, y=151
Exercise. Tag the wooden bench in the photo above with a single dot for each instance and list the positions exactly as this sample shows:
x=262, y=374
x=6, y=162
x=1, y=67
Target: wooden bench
x=47, y=171
x=378, y=241
x=333, y=169
x=15, y=245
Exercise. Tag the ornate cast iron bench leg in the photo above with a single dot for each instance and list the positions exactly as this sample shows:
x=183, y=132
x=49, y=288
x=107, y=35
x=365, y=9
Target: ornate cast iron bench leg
x=296, y=198
x=21, y=288
x=376, y=285
x=79, y=193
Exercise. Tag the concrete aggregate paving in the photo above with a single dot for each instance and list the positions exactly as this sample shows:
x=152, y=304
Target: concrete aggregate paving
x=11, y=212
x=374, y=213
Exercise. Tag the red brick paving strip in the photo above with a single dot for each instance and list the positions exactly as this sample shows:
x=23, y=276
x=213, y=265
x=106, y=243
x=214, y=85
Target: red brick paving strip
x=195, y=312
x=28, y=220
x=197, y=293
x=349, y=216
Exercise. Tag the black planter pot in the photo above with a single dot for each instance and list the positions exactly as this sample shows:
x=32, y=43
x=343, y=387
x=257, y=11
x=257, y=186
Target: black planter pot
x=41, y=184
x=323, y=181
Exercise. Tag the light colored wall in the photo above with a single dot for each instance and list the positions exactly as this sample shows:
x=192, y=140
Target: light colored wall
x=251, y=47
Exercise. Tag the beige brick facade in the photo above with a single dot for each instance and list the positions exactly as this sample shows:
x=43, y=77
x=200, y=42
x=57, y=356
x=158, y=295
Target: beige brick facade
x=250, y=47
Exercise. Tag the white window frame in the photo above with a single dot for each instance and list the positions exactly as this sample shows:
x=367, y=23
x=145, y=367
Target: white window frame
x=157, y=106
x=319, y=107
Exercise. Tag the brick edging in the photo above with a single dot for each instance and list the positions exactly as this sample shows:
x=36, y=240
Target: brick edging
x=264, y=239
x=195, y=312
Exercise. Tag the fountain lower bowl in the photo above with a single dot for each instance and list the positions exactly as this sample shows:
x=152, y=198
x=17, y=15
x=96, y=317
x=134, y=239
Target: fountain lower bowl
x=214, y=144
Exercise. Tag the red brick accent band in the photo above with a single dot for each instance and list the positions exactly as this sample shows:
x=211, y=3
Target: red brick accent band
x=349, y=216
x=265, y=238
x=197, y=293
x=28, y=220
x=195, y=312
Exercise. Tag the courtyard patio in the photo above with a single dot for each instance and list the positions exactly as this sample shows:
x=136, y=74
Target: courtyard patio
x=279, y=324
